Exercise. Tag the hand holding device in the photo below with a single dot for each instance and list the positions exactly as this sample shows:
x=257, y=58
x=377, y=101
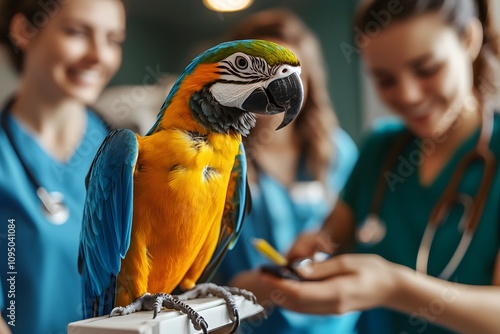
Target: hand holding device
x=280, y=266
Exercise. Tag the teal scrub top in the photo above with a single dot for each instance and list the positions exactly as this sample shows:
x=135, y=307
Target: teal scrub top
x=406, y=208
x=279, y=215
x=41, y=285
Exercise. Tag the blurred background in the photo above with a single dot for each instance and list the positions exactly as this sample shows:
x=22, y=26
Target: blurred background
x=163, y=36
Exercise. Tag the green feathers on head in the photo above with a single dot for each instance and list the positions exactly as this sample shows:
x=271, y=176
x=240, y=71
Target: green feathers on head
x=272, y=53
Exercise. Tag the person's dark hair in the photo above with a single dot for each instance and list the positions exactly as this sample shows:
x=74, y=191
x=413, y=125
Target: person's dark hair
x=458, y=14
x=34, y=11
x=315, y=122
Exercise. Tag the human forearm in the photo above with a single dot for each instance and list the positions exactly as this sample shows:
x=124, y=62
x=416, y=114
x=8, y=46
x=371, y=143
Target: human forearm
x=339, y=227
x=462, y=308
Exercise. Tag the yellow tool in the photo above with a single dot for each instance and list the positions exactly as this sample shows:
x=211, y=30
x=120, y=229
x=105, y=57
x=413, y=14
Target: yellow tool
x=266, y=249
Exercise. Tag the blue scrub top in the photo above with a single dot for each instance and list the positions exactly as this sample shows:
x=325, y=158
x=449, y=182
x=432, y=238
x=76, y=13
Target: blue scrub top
x=406, y=208
x=279, y=215
x=41, y=284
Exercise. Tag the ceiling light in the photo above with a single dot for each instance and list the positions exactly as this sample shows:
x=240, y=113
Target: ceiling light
x=227, y=5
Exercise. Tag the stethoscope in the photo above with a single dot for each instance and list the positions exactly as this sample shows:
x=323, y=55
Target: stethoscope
x=373, y=229
x=52, y=203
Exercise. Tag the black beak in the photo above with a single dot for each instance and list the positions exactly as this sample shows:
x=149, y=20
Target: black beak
x=281, y=95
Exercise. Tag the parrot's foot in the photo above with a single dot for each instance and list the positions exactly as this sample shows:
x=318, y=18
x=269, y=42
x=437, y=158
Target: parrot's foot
x=225, y=292
x=155, y=302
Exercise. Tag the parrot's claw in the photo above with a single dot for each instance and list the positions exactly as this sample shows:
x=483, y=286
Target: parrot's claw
x=168, y=301
x=248, y=295
x=236, y=322
x=133, y=307
x=155, y=302
x=225, y=292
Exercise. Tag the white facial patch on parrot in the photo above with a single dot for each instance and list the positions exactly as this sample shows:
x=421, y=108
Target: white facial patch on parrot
x=242, y=74
x=233, y=95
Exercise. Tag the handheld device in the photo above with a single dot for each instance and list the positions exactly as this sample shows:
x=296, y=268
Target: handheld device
x=280, y=266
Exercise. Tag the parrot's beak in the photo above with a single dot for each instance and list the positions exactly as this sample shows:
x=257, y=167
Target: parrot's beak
x=281, y=95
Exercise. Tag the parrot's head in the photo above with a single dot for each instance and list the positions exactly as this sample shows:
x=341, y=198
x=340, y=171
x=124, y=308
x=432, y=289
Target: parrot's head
x=233, y=80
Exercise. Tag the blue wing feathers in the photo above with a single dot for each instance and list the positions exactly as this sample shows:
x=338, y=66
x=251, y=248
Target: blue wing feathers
x=107, y=220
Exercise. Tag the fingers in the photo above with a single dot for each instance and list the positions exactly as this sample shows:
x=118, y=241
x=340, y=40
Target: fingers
x=251, y=280
x=309, y=243
x=303, y=247
x=320, y=297
x=293, y=295
x=299, y=252
x=338, y=265
x=343, y=283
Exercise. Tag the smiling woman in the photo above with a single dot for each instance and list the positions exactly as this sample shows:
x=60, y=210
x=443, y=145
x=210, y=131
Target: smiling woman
x=66, y=53
x=430, y=63
x=78, y=51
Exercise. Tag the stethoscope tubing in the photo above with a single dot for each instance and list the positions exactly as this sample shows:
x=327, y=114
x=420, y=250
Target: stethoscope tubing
x=458, y=255
x=53, y=207
x=10, y=137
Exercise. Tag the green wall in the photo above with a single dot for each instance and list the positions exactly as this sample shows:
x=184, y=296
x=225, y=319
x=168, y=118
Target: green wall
x=167, y=41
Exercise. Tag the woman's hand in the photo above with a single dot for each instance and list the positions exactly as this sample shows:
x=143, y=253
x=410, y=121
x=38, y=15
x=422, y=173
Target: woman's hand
x=344, y=283
x=254, y=280
x=336, y=233
x=309, y=243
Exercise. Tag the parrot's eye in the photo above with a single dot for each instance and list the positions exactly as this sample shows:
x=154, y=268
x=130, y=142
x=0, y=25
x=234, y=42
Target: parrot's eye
x=241, y=62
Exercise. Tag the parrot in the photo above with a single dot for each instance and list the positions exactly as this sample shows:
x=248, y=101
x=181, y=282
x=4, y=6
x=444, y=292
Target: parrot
x=163, y=209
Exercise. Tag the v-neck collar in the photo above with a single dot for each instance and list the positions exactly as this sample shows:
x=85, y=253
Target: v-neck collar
x=447, y=170
x=21, y=133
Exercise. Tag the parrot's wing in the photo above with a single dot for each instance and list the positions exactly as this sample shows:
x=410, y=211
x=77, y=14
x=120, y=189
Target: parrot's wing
x=107, y=220
x=238, y=203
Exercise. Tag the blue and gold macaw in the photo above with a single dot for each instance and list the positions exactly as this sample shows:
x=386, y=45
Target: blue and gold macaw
x=161, y=210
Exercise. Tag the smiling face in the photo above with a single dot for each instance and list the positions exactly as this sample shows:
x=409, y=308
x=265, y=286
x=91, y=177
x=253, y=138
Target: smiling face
x=77, y=52
x=422, y=70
